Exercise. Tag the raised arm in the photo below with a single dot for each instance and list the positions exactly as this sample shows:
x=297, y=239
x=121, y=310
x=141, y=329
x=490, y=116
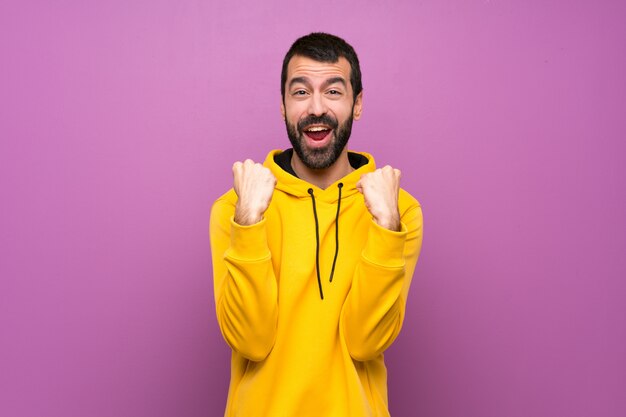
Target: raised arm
x=373, y=312
x=244, y=281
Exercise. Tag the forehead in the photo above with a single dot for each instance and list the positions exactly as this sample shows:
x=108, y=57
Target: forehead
x=301, y=66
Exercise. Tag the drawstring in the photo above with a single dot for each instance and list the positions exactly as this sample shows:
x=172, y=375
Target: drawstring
x=317, y=239
x=317, y=245
x=332, y=270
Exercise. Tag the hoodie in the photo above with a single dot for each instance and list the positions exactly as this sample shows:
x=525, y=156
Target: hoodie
x=303, y=343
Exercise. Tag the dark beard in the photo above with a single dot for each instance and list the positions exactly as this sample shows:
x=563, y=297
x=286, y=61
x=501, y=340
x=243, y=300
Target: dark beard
x=319, y=158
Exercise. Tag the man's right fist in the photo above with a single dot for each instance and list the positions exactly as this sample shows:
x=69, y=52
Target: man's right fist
x=254, y=185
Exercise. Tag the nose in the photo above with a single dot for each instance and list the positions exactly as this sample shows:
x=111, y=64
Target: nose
x=317, y=106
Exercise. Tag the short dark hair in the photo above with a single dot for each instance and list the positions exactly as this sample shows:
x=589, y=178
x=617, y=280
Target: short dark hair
x=324, y=47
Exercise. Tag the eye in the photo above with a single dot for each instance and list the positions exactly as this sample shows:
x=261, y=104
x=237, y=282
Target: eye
x=299, y=93
x=334, y=92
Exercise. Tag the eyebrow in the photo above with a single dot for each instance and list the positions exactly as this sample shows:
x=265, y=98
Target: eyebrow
x=335, y=80
x=300, y=80
x=305, y=81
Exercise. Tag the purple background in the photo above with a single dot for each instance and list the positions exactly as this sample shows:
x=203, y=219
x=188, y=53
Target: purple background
x=119, y=124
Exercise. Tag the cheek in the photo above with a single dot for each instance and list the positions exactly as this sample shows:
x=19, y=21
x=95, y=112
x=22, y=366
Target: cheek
x=293, y=112
x=342, y=109
x=292, y=118
x=342, y=116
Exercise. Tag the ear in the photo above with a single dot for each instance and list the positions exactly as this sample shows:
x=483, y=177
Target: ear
x=358, y=106
x=282, y=109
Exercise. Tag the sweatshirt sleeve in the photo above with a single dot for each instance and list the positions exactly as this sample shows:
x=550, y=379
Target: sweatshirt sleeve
x=245, y=286
x=373, y=312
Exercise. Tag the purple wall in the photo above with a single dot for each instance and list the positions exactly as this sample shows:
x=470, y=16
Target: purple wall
x=119, y=124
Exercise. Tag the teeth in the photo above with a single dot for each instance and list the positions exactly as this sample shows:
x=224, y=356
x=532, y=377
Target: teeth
x=316, y=129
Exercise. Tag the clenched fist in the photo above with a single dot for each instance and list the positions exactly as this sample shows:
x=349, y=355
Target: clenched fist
x=380, y=190
x=254, y=185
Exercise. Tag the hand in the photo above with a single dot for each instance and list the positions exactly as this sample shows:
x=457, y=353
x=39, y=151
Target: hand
x=254, y=185
x=380, y=190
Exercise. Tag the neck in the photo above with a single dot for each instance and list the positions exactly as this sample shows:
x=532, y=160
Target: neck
x=322, y=178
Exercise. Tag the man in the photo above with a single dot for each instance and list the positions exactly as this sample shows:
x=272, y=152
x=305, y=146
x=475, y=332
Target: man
x=313, y=254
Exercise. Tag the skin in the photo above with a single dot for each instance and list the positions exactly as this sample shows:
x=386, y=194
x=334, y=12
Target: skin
x=317, y=88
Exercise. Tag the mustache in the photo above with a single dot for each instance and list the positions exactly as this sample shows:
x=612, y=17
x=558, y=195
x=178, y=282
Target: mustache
x=321, y=120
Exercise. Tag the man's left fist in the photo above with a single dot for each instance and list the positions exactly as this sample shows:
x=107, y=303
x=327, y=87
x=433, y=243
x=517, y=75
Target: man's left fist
x=380, y=190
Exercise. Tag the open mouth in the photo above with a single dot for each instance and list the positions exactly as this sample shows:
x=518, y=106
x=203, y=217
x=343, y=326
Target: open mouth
x=317, y=133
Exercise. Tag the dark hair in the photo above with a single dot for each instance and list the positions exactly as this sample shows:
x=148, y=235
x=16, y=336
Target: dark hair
x=324, y=47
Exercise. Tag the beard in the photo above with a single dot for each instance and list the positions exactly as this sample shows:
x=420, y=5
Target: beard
x=319, y=158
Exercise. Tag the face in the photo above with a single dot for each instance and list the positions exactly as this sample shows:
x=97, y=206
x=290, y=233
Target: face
x=318, y=109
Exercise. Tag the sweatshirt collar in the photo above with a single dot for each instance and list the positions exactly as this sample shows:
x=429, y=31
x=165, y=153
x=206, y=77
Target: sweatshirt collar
x=297, y=187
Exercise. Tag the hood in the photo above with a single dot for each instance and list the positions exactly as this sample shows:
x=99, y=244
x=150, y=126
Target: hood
x=297, y=187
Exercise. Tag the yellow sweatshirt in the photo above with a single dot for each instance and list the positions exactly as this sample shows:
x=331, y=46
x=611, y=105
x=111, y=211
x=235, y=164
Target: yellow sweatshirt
x=294, y=353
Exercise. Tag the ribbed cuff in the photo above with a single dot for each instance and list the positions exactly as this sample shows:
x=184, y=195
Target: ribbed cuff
x=248, y=242
x=385, y=247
